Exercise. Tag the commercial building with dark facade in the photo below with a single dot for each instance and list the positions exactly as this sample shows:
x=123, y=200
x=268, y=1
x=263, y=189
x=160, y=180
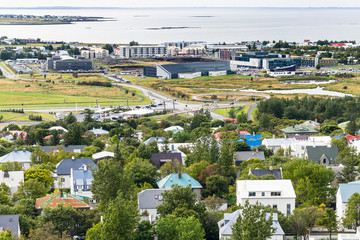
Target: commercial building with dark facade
x=171, y=71
x=59, y=63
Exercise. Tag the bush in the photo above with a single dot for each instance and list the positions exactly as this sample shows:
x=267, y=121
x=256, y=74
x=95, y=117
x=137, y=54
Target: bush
x=35, y=117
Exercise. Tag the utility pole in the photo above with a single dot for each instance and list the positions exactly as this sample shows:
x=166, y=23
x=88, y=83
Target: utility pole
x=164, y=106
x=174, y=104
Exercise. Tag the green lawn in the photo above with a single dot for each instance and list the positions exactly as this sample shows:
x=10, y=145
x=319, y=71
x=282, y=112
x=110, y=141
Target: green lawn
x=225, y=111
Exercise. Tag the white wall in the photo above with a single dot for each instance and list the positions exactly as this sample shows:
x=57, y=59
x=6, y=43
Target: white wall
x=265, y=201
x=340, y=206
x=65, y=183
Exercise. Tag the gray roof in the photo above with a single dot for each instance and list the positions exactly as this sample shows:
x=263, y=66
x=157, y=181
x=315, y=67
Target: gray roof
x=69, y=148
x=63, y=167
x=11, y=222
x=150, y=198
x=278, y=141
x=21, y=156
x=159, y=159
x=157, y=139
x=99, y=131
x=348, y=189
x=246, y=155
x=262, y=172
x=315, y=153
x=225, y=225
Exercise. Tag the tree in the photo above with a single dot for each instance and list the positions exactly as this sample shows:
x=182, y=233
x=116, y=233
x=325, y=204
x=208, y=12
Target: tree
x=352, y=216
x=328, y=220
x=217, y=185
x=108, y=47
x=351, y=128
x=172, y=227
x=253, y=223
x=195, y=169
x=226, y=159
x=312, y=182
x=120, y=218
x=242, y=118
x=241, y=146
x=303, y=219
x=31, y=188
x=144, y=231
x=42, y=175
x=318, y=67
x=46, y=232
x=198, y=120
x=141, y=171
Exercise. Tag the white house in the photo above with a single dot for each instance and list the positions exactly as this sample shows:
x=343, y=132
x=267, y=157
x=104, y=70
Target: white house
x=148, y=200
x=225, y=226
x=81, y=181
x=22, y=157
x=343, y=194
x=278, y=194
x=12, y=179
x=277, y=143
x=298, y=147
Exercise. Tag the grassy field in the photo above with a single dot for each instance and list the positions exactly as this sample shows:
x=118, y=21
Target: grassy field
x=224, y=111
x=23, y=117
x=66, y=77
x=17, y=93
x=345, y=85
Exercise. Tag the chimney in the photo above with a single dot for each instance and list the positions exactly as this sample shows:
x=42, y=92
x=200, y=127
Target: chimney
x=15, y=150
x=172, y=148
x=257, y=150
x=253, y=133
x=24, y=150
x=73, y=158
x=179, y=173
x=273, y=136
x=271, y=168
x=85, y=167
x=61, y=193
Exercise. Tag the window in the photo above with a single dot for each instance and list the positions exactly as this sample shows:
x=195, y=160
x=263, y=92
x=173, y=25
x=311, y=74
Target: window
x=274, y=194
x=263, y=194
x=252, y=194
x=275, y=206
x=288, y=209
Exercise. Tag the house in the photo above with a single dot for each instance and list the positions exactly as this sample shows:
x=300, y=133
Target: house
x=156, y=139
x=99, y=132
x=344, y=192
x=10, y=222
x=322, y=139
x=276, y=143
x=63, y=170
x=321, y=154
x=278, y=194
x=310, y=123
x=58, y=128
x=22, y=157
x=148, y=200
x=297, y=130
x=277, y=173
x=103, y=155
x=65, y=199
x=159, y=159
x=182, y=180
x=81, y=181
x=174, y=129
x=252, y=140
x=66, y=148
x=19, y=134
x=239, y=157
x=298, y=147
x=225, y=225
x=12, y=179
x=350, y=236
x=175, y=148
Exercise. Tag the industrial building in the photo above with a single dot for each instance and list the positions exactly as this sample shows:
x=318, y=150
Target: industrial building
x=188, y=70
x=64, y=63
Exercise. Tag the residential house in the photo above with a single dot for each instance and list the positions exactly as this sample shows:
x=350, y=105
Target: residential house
x=12, y=223
x=276, y=143
x=344, y=192
x=252, y=140
x=99, y=132
x=22, y=157
x=103, y=155
x=81, y=182
x=174, y=129
x=66, y=148
x=58, y=128
x=148, y=200
x=63, y=170
x=65, y=199
x=297, y=130
x=182, y=180
x=310, y=123
x=225, y=225
x=155, y=139
x=239, y=157
x=159, y=159
x=322, y=139
x=298, y=147
x=277, y=173
x=322, y=154
x=278, y=194
x=12, y=179
x=175, y=148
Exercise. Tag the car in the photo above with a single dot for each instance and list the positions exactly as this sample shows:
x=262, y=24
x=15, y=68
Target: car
x=206, y=104
x=137, y=107
x=87, y=109
x=114, y=118
x=232, y=103
x=81, y=112
x=116, y=111
x=153, y=105
x=160, y=104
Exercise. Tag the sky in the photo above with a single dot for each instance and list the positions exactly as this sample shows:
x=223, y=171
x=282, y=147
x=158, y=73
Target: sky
x=182, y=3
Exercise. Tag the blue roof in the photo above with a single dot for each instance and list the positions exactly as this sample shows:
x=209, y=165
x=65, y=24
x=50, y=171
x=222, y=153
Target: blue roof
x=173, y=179
x=82, y=178
x=339, y=136
x=63, y=167
x=348, y=189
x=20, y=156
x=254, y=143
x=251, y=137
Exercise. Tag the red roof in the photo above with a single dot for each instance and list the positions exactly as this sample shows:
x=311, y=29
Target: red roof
x=75, y=201
x=244, y=133
x=338, y=44
x=218, y=135
x=234, y=120
x=350, y=138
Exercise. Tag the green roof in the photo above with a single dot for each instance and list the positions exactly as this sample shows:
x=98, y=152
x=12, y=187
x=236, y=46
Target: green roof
x=299, y=129
x=173, y=179
x=315, y=153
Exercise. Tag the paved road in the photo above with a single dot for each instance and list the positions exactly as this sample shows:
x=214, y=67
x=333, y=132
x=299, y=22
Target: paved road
x=251, y=109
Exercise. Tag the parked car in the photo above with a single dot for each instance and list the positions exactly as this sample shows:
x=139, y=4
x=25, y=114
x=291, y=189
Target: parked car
x=137, y=107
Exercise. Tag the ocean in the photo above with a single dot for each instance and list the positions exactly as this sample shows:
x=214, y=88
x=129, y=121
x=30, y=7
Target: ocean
x=157, y=25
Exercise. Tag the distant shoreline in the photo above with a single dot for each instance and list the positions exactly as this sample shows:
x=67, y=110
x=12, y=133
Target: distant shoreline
x=142, y=8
